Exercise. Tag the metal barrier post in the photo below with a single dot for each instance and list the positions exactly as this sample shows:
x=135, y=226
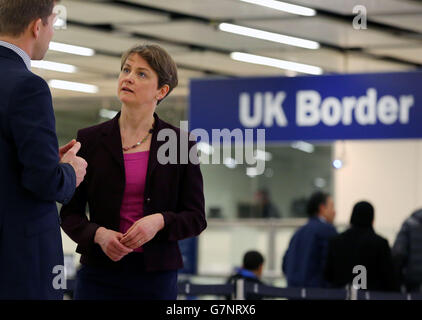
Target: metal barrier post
x=353, y=293
x=240, y=289
x=347, y=288
x=303, y=293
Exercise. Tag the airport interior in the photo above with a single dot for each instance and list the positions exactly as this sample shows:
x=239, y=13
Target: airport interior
x=235, y=59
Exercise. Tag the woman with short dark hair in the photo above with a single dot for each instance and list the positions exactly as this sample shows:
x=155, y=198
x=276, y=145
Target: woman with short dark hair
x=139, y=205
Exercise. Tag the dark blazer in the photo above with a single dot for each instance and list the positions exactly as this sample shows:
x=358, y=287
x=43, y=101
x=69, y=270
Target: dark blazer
x=175, y=190
x=303, y=263
x=360, y=246
x=407, y=252
x=32, y=180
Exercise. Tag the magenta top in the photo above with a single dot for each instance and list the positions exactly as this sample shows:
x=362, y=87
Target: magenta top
x=132, y=208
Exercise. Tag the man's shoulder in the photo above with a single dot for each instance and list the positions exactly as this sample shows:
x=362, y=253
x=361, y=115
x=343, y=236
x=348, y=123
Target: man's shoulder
x=21, y=80
x=24, y=75
x=325, y=229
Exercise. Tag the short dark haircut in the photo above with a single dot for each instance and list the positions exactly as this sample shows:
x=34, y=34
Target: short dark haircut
x=362, y=214
x=252, y=260
x=16, y=15
x=316, y=199
x=159, y=60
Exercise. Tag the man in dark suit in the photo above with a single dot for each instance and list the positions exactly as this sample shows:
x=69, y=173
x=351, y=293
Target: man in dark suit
x=303, y=263
x=361, y=246
x=34, y=172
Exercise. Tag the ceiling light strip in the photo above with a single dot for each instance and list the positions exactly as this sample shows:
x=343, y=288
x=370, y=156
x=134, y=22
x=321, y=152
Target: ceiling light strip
x=67, y=48
x=276, y=63
x=53, y=66
x=283, y=6
x=73, y=86
x=270, y=36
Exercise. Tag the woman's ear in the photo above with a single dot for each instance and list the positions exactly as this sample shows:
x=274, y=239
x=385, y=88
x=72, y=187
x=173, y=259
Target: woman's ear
x=162, y=92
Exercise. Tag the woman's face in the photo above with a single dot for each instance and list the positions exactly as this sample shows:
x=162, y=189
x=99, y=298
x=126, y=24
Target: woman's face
x=138, y=83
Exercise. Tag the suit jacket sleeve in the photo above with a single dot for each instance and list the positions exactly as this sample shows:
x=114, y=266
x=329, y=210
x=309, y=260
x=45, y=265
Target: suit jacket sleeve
x=400, y=250
x=189, y=220
x=75, y=223
x=32, y=125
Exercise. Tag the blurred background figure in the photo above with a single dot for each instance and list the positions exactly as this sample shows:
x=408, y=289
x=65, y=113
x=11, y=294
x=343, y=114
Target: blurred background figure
x=360, y=245
x=264, y=206
x=407, y=252
x=251, y=271
x=304, y=260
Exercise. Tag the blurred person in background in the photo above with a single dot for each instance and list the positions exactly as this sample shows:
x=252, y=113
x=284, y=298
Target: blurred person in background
x=34, y=172
x=139, y=207
x=360, y=245
x=251, y=271
x=407, y=252
x=304, y=261
x=264, y=206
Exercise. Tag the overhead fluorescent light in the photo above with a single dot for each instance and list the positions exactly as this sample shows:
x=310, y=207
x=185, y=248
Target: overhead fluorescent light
x=276, y=63
x=262, y=155
x=54, y=66
x=73, y=86
x=303, y=146
x=283, y=6
x=67, y=48
x=270, y=36
x=108, y=114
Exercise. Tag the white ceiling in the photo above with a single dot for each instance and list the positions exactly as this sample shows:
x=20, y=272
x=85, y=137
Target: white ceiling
x=188, y=30
x=373, y=7
x=329, y=31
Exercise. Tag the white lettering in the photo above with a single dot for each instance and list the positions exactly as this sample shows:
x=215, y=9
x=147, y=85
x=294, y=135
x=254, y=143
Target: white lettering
x=307, y=102
x=388, y=110
x=348, y=105
x=274, y=109
x=331, y=111
x=246, y=119
x=360, y=281
x=406, y=102
x=59, y=281
x=365, y=108
x=359, y=22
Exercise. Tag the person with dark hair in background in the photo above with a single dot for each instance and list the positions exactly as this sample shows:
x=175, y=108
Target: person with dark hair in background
x=251, y=271
x=35, y=173
x=407, y=252
x=304, y=260
x=360, y=246
x=265, y=207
